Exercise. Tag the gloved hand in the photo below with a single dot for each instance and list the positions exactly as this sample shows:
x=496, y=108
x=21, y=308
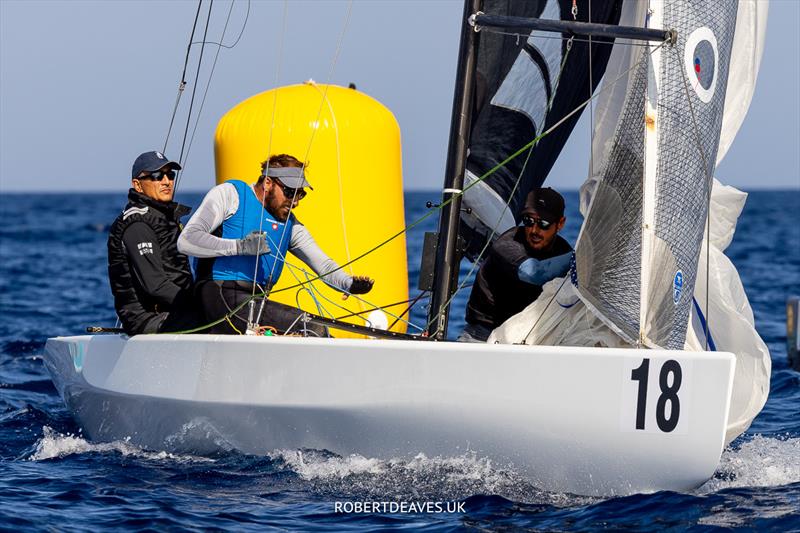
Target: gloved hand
x=255, y=243
x=361, y=285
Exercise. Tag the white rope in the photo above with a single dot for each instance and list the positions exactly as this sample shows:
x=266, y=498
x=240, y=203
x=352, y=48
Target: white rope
x=340, y=183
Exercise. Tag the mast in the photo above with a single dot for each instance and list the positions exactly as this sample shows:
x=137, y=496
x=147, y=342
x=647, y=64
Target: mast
x=445, y=273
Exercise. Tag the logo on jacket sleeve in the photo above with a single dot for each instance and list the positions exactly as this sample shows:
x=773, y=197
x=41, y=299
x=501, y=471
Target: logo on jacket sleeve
x=145, y=248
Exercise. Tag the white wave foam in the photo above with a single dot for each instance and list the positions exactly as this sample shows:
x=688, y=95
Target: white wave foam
x=312, y=465
x=436, y=477
x=199, y=436
x=54, y=445
x=759, y=462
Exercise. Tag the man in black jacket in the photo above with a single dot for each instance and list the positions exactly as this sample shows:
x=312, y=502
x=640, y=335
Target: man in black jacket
x=151, y=281
x=519, y=262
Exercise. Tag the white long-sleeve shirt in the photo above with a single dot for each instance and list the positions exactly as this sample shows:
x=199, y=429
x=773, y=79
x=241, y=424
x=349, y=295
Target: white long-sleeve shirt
x=221, y=203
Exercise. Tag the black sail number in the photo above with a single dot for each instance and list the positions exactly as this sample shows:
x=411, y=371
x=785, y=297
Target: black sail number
x=669, y=394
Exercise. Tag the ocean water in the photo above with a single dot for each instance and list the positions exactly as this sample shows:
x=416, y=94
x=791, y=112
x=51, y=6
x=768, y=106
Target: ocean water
x=53, y=282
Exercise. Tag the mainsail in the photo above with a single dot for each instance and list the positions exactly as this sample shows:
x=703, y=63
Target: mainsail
x=525, y=84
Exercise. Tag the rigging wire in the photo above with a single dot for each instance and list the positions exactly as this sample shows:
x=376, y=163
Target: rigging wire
x=709, y=187
x=208, y=83
x=488, y=173
x=338, y=175
x=313, y=131
x=545, y=35
x=362, y=301
x=420, y=220
x=241, y=31
x=407, y=310
x=194, y=92
x=311, y=140
x=278, y=67
x=182, y=84
x=536, y=140
x=518, y=180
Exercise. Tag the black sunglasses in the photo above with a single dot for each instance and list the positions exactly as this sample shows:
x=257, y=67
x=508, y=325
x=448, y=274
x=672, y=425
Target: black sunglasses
x=294, y=194
x=158, y=175
x=530, y=221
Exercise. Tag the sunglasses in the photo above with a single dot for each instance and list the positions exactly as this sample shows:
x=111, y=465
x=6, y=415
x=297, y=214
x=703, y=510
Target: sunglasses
x=158, y=175
x=294, y=194
x=530, y=222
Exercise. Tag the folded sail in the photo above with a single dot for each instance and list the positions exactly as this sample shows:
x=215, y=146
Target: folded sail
x=521, y=91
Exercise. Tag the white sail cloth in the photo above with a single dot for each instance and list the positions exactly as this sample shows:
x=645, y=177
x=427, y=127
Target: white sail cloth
x=559, y=317
x=748, y=47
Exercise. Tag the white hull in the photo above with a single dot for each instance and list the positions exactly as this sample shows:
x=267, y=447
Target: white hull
x=563, y=417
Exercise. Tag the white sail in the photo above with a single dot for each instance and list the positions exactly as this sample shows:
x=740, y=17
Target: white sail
x=559, y=316
x=748, y=47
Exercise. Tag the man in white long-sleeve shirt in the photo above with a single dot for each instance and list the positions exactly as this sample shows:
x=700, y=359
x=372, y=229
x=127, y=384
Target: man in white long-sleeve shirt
x=241, y=234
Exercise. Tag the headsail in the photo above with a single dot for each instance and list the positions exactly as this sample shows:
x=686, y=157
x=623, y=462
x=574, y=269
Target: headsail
x=721, y=317
x=638, y=250
x=521, y=91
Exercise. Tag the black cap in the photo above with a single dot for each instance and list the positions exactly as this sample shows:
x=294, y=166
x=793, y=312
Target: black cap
x=545, y=203
x=150, y=162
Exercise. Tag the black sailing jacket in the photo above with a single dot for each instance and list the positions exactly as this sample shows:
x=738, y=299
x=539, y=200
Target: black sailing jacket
x=502, y=288
x=148, y=276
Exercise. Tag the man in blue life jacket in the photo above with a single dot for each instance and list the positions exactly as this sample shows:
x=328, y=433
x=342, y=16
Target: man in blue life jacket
x=241, y=231
x=519, y=262
x=151, y=281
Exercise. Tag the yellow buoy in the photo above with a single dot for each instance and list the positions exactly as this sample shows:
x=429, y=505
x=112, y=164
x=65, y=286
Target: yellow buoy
x=351, y=143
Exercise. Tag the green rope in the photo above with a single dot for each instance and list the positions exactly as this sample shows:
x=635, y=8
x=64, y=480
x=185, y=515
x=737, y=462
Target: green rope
x=480, y=179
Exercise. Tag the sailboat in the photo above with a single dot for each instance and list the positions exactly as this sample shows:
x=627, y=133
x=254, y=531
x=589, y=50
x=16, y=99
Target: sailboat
x=618, y=390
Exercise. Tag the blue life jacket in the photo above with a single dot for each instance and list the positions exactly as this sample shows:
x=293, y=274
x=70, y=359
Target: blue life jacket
x=252, y=216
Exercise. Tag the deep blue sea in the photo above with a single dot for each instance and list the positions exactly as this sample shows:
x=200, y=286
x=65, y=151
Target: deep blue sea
x=53, y=282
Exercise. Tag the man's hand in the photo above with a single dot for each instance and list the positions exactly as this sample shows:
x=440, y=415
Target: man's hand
x=360, y=285
x=255, y=243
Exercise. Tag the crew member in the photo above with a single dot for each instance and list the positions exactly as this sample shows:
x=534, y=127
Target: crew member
x=241, y=234
x=151, y=281
x=519, y=262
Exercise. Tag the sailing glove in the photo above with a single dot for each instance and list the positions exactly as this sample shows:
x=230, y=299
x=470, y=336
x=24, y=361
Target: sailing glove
x=361, y=285
x=255, y=243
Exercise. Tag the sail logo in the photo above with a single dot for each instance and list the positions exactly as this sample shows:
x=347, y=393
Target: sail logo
x=677, y=287
x=700, y=59
x=145, y=248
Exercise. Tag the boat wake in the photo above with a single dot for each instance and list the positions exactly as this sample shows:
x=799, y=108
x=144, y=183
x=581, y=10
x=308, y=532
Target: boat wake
x=54, y=445
x=451, y=478
x=758, y=462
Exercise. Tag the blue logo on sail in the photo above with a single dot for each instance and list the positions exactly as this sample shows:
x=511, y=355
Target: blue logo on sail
x=677, y=287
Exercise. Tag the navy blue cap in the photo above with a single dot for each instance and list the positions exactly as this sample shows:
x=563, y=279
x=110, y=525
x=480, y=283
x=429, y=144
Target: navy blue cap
x=150, y=162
